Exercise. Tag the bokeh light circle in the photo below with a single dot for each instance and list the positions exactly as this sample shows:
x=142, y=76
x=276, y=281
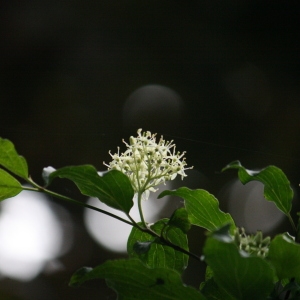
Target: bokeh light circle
x=250, y=209
x=31, y=236
x=112, y=234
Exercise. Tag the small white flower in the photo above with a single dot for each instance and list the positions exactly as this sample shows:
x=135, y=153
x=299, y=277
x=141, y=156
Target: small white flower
x=148, y=163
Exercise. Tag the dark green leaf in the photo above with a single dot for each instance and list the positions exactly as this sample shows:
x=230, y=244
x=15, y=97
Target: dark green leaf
x=9, y=186
x=113, y=188
x=202, y=207
x=180, y=219
x=241, y=276
x=213, y=292
x=11, y=160
x=277, y=186
x=158, y=254
x=284, y=254
x=132, y=280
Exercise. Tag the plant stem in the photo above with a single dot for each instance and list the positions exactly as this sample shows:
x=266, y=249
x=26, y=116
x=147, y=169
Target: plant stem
x=292, y=223
x=146, y=229
x=135, y=224
x=163, y=239
x=178, y=248
x=141, y=209
x=59, y=196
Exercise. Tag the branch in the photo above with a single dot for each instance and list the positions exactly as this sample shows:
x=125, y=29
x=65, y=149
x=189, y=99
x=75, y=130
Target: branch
x=38, y=188
x=65, y=198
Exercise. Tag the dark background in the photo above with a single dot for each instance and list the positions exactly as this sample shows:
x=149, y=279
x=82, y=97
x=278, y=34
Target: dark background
x=68, y=68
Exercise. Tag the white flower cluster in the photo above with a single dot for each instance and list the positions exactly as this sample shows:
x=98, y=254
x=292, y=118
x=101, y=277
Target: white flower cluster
x=252, y=244
x=148, y=163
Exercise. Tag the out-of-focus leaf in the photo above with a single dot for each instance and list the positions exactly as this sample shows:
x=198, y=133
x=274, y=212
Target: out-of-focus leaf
x=9, y=186
x=113, y=188
x=276, y=185
x=132, y=280
x=243, y=277
x=11, y=160
x=213, y=292
x=202, y=207
x=284, y=254
x=159, y=254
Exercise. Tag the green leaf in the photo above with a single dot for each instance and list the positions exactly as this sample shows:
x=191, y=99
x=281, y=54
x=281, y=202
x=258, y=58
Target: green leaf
x=132, y=280
x=180, y=219
x=78, y=276
x=276, y=185
x=284, y=254
x=202, y=207
x=11, y=160
x=9, y=186
x=113, y=188
x=213, y=292
x=243, y=277
x=158, y=254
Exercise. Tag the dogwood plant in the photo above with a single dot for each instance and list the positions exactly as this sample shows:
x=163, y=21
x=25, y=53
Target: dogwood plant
x=239, y=265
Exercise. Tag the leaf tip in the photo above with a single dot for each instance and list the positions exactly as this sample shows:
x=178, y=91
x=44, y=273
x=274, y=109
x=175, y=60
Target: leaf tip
x=102, y=173
x=233, y=165
x=79, y=276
